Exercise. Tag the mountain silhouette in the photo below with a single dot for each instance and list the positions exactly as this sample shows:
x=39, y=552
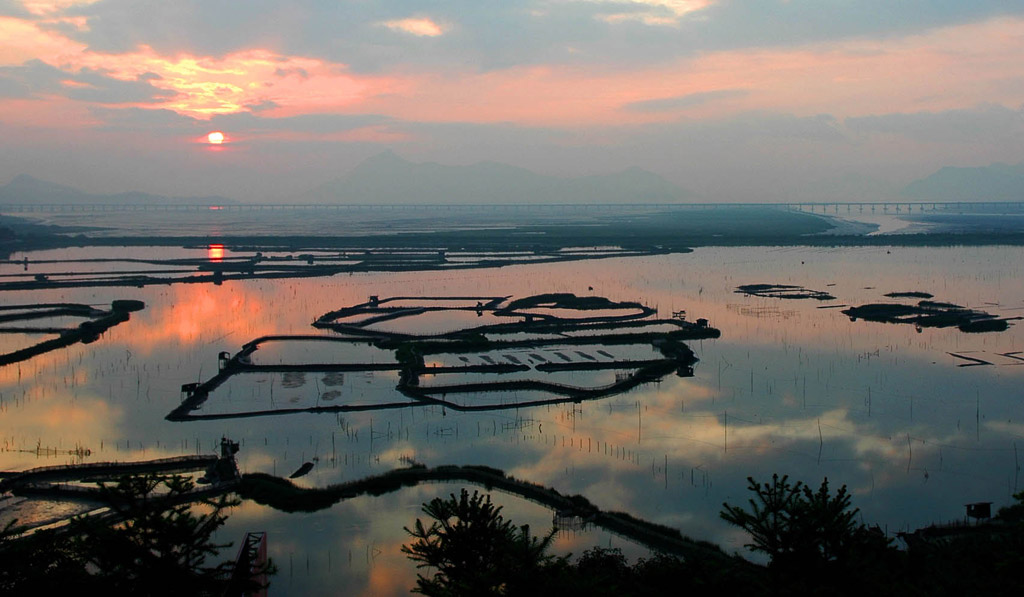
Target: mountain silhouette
x=28, y=189
x=387, y=178
x=996, y=182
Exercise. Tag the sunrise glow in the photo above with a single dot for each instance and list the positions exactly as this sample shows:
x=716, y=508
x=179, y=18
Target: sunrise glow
x=541, y=248
x=600, y=80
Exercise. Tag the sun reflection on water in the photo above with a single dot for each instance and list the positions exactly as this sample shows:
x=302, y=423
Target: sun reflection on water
x=789, y=388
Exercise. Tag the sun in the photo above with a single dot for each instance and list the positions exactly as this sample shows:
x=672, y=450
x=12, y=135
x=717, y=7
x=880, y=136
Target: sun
x=215, y=138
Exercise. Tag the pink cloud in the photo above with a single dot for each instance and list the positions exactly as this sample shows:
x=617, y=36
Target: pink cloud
x=41, y=113
x=944, y=69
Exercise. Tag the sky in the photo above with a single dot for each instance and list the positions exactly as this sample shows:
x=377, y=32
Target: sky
x=735, y=100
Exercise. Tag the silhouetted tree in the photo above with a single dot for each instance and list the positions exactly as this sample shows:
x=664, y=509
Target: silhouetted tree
x=163, y=544
x=160, y=544
x=1014, y=513
x=770, y=519
x=474, y=550
x=811, y=536
x=40, y=563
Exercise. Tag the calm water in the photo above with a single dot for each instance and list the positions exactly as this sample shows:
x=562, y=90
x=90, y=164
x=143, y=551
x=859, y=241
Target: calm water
x=788, y=388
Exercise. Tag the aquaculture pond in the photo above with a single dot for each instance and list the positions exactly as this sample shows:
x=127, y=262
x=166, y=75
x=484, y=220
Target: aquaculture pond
x=916, y=420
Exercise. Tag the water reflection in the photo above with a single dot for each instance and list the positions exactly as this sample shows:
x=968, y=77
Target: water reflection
x=789, y=388
x=215, y=252
x=480, y=367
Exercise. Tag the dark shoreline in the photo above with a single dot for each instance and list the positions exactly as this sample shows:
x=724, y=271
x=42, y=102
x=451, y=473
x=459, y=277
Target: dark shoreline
x=664, y=232
x=285, y=496
x=445, y=247
x=486, y=242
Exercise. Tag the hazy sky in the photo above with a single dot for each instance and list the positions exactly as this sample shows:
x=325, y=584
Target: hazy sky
x=734, y=99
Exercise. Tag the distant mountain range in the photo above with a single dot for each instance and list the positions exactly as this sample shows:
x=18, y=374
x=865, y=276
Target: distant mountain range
x=27, y=189
x=387, y=178
x=997, y=182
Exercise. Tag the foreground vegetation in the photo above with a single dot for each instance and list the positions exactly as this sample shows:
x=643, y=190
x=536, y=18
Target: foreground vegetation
x=147, y=544
x=282, y=494
x=812, y=538
x=469, y=548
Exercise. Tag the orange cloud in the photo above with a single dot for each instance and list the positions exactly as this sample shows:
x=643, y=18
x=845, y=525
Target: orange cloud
x=209, y=86
x=51, y=7
x=420, y=27
x=652, y=12
x=203, y=86
x=948, y=68
x=25, y=40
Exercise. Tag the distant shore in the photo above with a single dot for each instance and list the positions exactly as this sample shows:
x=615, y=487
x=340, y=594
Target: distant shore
x=663, y=232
